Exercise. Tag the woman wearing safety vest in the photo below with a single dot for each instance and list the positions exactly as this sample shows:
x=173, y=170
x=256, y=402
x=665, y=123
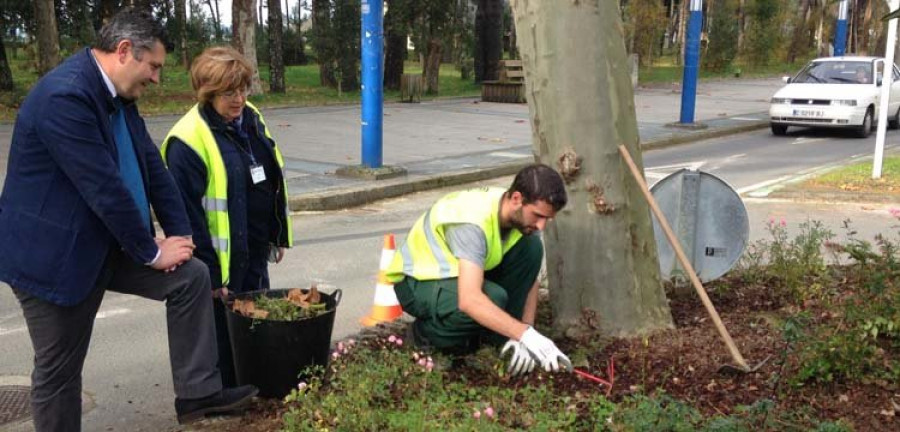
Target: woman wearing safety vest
x=468, y=270
x=229, y=170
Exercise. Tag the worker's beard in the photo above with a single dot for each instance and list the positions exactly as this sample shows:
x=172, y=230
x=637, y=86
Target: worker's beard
x=517, y=220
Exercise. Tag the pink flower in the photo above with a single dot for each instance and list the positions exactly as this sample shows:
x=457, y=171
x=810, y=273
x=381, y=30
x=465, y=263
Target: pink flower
x=476, y=414
x=392, y=338
x=429, y=366
x=783, y=222
x=895, y=212
x=335, y=355
x=415, y=356
x=302, y=386
x=489, y=412
x=340, y=346
x=399, y=342
x=421, y=362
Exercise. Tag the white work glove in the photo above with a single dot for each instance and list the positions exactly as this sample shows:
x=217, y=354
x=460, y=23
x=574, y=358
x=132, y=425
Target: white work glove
x=544, y=351
x=521, y=361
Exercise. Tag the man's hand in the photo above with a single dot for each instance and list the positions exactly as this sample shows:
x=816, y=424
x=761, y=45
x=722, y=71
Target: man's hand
x=544, y=351
x=173, y=251
x=521, y=361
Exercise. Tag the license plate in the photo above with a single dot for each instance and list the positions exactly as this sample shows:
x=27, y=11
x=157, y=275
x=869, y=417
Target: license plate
x=808, y=113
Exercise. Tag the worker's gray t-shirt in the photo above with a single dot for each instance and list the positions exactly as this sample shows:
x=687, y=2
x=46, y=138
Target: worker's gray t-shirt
x=467, y=241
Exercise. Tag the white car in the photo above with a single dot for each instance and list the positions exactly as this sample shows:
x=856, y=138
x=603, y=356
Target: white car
x=838, y=92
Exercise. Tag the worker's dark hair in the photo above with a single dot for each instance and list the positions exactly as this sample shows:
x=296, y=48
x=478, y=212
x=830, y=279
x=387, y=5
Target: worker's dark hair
x=140, y=27
x=539, y=182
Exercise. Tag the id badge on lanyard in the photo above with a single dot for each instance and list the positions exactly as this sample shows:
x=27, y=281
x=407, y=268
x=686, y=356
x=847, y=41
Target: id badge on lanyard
x=257, y=173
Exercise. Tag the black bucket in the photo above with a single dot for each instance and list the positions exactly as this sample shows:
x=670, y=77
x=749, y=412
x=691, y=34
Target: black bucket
x=272, y=354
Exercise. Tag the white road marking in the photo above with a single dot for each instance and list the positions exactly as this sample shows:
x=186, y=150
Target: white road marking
x=4, y=331
x=675, y=167
x=507, y=155
x=746, y=118
x=761, y=185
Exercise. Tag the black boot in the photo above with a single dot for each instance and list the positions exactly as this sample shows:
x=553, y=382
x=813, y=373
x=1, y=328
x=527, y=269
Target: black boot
x=225, y=401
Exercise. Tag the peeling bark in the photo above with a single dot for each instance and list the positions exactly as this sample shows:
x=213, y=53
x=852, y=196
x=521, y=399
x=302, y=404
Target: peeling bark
x=601, y=252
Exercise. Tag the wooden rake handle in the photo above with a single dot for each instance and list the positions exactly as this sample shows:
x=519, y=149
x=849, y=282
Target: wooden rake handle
x=682, y=258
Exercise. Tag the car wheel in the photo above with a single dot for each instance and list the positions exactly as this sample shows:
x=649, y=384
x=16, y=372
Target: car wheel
x=779, y=129
x=894, y=123
x=865, y=129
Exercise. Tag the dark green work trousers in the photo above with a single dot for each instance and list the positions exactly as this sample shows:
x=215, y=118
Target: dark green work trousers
x=435, y=303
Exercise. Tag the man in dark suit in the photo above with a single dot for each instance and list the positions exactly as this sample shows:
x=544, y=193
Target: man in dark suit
x=75, y=222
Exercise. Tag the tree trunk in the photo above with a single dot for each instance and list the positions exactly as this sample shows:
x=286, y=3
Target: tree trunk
x=276, y=50
x=243, y=25
x=488, y=39
x=107, y=10
x=432, y=67
x=395, y=46
x=47, y=35
x=214, y=11
x=6, y=79
x=601, y=253
x=181, y=25
x=682, y=30
x=741, y=21
x=323, y=42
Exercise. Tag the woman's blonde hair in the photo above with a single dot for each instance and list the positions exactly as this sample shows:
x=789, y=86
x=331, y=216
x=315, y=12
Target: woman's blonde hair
x=218, y=70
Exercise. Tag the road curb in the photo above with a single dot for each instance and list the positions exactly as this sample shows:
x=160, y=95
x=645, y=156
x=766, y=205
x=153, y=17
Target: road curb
x=353, y=196
x=684, y=137
x=357, y=195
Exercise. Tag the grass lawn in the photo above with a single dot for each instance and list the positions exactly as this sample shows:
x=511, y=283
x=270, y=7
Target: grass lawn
x=175, y=96
x=858, y=178
x=664, y=70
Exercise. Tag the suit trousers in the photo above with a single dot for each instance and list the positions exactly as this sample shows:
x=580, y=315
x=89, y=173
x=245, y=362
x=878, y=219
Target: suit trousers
x=61, y=335
x=435, y=303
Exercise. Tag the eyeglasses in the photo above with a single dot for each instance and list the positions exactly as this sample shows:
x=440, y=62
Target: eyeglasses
x=235, y=94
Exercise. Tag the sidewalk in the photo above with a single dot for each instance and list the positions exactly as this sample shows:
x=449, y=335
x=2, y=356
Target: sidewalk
x=455, y=141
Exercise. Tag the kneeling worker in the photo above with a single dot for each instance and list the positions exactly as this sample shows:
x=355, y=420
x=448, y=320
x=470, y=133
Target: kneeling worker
x=468, y=269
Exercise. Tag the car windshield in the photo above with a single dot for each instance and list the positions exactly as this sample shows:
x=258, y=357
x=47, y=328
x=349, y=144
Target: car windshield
x=835, y=72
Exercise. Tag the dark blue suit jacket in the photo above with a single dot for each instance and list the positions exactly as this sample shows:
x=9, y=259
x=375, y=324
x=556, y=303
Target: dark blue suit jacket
x=64, y=204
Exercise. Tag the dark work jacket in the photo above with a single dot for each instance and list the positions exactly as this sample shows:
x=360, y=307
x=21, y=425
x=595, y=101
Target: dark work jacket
x=64, y=204
x=253, y=227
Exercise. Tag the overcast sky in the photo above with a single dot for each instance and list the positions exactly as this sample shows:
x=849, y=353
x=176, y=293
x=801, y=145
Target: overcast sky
x=225, y=8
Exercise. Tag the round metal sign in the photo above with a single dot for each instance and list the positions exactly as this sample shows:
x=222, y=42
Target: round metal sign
x=708, y=218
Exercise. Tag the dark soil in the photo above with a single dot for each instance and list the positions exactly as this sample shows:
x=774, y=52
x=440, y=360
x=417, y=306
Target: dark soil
x=685, y=362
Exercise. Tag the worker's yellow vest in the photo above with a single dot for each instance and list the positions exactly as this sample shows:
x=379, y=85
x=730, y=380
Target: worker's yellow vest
x=193, y=131
x=425, y=254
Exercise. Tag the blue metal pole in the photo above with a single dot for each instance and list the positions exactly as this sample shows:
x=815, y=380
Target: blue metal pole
x=691, y=62
x=372, y=34
x=840, y=31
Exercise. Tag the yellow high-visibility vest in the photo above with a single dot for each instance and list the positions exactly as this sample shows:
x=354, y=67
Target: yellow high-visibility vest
x=425, y=254
x=193, y=131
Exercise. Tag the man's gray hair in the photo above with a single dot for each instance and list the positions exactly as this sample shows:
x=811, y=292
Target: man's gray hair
x=136, y=26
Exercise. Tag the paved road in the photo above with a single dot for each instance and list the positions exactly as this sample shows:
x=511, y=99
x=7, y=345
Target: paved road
x=127, y=374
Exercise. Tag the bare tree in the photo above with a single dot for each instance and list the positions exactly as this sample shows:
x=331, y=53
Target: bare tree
x=47, y=35
x=214, y=11
x=323, y=42
x=181, y=25
x=243, y=27
x=6, y=79
x=488, y=39
x=276, y=49
x=601, y=254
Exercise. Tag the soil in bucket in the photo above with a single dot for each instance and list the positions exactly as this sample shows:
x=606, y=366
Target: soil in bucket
x=273, y=347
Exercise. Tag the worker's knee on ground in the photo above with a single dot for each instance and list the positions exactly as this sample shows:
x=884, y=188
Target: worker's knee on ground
x=497, y=294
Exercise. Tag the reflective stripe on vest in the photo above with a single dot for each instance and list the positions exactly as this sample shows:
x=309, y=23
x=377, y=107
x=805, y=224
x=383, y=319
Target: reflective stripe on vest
x=196, y=134
x=425, y=254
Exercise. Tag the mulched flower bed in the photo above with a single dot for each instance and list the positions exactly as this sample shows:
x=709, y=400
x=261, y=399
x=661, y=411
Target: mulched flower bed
x=685, y=363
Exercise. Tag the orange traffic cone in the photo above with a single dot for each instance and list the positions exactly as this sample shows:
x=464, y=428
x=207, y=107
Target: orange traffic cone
x=387, y=307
